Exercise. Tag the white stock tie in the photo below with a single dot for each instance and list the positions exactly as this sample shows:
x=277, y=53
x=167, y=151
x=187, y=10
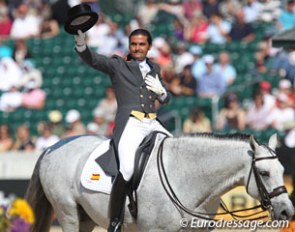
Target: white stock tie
x=144, y=68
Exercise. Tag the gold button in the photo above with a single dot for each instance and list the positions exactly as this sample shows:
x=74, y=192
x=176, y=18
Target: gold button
x=150, y=97
x=141, y=95
x=142, y=105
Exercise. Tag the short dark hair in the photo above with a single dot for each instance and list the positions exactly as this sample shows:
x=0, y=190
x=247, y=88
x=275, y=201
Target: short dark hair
x=144, y=32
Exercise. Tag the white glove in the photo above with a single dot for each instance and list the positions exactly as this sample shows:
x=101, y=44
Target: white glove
x=80, y=41
x=155, y=85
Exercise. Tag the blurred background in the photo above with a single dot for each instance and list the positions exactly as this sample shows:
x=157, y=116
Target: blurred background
x=217, y=60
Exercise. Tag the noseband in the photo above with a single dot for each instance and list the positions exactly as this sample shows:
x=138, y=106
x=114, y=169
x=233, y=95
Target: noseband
x=264, y=194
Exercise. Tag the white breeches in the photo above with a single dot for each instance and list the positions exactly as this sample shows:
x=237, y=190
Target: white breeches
x=133, y=134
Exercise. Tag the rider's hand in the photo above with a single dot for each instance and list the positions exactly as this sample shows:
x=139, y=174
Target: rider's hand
x=80, y=41
x=155, y=85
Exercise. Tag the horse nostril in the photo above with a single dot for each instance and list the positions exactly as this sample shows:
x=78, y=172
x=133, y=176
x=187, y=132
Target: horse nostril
x=284, y=215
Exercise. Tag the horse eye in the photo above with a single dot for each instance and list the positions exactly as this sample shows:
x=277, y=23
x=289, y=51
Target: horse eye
x=264, y=173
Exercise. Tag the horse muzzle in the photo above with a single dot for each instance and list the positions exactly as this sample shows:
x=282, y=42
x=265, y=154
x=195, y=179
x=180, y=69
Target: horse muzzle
x=282, y=208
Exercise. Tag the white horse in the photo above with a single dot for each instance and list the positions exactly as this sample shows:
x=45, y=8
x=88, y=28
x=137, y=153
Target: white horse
x=198, y=168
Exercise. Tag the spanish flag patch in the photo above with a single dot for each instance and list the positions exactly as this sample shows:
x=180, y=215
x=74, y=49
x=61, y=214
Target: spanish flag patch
x=95, y=177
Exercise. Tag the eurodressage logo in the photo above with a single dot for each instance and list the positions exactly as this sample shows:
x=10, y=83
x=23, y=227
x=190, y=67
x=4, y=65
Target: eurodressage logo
x=233, y=224
x=95, y=176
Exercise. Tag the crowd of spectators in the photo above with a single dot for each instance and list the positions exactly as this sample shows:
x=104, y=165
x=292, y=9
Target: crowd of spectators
x=186, y=69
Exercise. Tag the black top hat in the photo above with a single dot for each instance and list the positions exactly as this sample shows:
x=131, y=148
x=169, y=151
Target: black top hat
x=80, y=17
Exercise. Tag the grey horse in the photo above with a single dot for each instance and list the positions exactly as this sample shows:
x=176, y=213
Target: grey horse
x=198, y=170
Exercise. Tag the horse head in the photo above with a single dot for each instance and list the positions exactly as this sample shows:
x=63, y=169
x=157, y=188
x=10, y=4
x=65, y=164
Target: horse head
x=265, y=180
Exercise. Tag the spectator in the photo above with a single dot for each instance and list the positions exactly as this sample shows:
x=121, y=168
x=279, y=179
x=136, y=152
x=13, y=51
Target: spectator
x=55, y=122
x=196, y=31
x=24, y=141
x=289, y=139
x=11, y=100
x=286, y=66
x=218, y=29
x=73, y=119
x=165, y=57
x=5, y=51
x=92, y=128
x=170, y=78
x=281, y=114
x=96, y=35
x=182, y=58
x=191, y=8
x=10, y=74
x=69, y=131
x=147, y=12
x=25, y=25
x=225, y=68
x=94, y=5
x=174, y=7
x=178, y=30
x=198, y=65
x=108, y=104
x=196, y=122
x=260, y=67
x=58, y=9
x=21, y=52
x=269, y=99
x=153, y=54
x=211, y=83
x=99, y=118
x=228, y=9
x=33, y=97
x=46, y=137
x=257, y=113
x=31, y=74
x=231, y=116
x=210, y=7
x=286, y=18
x=6, y=141
x=270, y=11
x=49, y=27
x=241, y=31
x=262, y=58
x=5, y=21
x=252, y=10
x=186, y=84
x=111, y=41
x=285, y=87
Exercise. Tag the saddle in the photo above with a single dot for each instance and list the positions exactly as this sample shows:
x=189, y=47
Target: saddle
x=109, y=163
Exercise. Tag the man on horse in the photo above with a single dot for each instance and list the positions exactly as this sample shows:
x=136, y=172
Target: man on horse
x=138, y=85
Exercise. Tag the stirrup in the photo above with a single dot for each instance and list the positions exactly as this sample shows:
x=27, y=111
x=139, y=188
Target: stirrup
x=115, y=226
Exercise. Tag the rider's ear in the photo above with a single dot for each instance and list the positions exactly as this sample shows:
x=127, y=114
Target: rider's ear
x=273, y=140
x=253, y=143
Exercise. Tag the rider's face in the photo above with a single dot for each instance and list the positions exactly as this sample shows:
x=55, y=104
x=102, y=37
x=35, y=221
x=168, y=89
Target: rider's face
x=139, y=47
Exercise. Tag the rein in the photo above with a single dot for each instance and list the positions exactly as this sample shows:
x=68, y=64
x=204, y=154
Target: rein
x=265, y=203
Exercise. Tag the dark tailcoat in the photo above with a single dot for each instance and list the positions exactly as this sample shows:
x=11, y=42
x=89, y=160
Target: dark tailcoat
x=129, y=86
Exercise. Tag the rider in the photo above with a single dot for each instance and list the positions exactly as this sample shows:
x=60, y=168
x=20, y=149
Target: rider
x=137, y=84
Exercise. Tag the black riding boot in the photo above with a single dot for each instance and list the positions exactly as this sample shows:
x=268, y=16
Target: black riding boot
x=117, y=203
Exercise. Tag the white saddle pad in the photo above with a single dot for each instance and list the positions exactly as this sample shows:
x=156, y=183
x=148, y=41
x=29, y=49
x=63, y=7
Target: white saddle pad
x=93, y=177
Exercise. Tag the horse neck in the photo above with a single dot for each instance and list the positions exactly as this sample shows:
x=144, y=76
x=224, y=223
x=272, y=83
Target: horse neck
x=212, y=166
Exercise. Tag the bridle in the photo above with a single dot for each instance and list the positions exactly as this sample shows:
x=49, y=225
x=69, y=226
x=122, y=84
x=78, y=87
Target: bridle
x=265, y=202
x=265, y=196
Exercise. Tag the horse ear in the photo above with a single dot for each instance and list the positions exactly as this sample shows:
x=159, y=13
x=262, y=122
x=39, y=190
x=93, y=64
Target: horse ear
x=253, y=143
x=273, y=140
